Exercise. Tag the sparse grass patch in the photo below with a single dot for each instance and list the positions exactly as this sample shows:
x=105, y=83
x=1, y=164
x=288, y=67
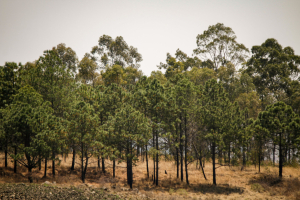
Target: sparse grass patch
x=182, y=192
x=256, y=187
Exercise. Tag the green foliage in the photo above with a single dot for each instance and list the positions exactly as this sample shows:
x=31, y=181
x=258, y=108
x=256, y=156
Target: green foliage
x=218, y=45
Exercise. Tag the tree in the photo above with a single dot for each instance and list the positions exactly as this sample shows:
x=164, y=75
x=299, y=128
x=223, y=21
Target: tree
x=115, y=52
x=87, y=71
x=283, y=126
x=26, y=120
x=272, y=68
x=67, y=56
x=218, y=44
x=9, y=85
x=133, y=129
x=84, y=125
x=214, y=112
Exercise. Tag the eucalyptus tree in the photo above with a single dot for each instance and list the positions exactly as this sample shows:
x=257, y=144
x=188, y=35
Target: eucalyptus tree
x=87, y=72
x=272, y=68
x=200, y=75
x=28, y=120
x=218, y=44
x=116, y=51
x=215, y=107
x=132, y=129
x=227, y=76
x=68, y=57
x=179, y=64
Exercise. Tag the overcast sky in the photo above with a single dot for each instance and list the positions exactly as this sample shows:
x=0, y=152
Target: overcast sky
x=155, y=27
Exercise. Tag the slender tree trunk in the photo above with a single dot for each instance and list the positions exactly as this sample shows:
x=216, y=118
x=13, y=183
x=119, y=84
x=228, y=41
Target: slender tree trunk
x=40, y=164
x=259, y=155
x=82, y=165
x=280, y=156
x=30, y=174
x=5, y=156
x=103, y=166
x=114, y=168
x=185, y=152
x=214, y=163
x=181, y=152
x=73, y=159
x=45, y=171
x=229, y=154
x=147, y=162
x=98, y=161
x=15, y=161
x=53, y=164
x=156, y=183
x=274, y=154
x=244, y=157
x=154, y=177
x=177, y=162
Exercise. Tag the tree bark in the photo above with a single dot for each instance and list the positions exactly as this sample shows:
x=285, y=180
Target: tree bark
x=5, y=156
x=147, y=162
x=53, y=164
x=73, y=160
x=214, y=163
x=15, y=161
x=185, y=152
x=280, y=156
x=45, y=171
x=103, y=165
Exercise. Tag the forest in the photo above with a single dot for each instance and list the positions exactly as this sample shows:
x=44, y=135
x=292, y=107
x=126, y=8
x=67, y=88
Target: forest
x=225, y=104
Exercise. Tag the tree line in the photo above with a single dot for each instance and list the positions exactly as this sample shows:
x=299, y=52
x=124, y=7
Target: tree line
x=224, y=104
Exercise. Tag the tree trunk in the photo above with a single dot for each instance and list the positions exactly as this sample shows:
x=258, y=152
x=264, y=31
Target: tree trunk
x=185, y=152
x=98, y=161
x=214, y=163
x=154, y=180
x=114, y=168
x=15, y=161
x=181, y=151
x=177, y=161
x=147, y=162
x=129, y=172
x=82, y=166
x=73, y=159
x=53, y=164
x=156, y=183
x=103, y=166
x=46, y=162
x=280, y=156
x=274, y=154
x=5, y=156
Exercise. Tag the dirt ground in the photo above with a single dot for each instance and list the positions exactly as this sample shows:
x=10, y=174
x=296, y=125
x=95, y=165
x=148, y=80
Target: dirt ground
x=232, y=183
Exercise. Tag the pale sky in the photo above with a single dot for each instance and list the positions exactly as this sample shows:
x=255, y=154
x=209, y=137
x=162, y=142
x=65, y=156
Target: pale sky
x=155, y=27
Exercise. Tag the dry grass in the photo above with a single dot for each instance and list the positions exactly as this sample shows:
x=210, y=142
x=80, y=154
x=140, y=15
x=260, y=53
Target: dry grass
x=232, y=183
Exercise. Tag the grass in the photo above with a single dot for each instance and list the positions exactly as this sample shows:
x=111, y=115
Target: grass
x=232, y=183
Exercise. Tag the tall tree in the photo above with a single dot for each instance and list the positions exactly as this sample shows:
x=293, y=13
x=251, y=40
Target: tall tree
x=28, y=118
x=214, y=112
x=272, y=68
x=111, y=52
x=218, y=44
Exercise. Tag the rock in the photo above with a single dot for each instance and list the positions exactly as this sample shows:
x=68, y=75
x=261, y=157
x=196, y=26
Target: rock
x=54, y=182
